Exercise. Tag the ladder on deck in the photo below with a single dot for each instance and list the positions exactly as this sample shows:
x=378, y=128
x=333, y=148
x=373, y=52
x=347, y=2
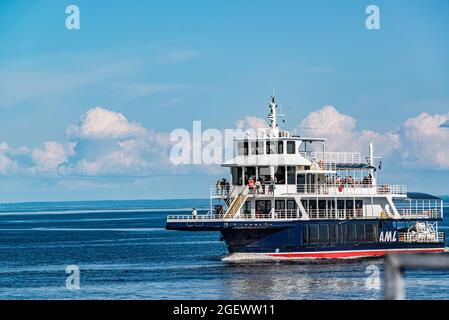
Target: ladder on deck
x=236, y=204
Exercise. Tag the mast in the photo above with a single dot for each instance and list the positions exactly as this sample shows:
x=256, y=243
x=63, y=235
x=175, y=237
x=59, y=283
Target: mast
x=274, y=129
x=371, y=162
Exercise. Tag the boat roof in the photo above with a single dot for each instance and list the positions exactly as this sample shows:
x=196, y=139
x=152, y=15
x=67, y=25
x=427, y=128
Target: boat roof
x=354, y=166
x=421, y=196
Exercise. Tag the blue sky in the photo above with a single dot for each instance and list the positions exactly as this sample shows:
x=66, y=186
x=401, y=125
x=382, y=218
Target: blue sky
x=165, y=64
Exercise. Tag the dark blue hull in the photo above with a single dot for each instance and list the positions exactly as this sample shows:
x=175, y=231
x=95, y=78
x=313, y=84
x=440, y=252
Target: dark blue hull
x=313, y=239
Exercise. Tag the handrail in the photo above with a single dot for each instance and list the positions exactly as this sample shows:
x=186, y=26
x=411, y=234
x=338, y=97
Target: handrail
x=333, y=157
x=336, y=213
x=353, y=189
x=434, y=213
x=410, y=237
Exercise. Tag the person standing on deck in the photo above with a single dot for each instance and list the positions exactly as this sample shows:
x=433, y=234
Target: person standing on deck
x=194, y=213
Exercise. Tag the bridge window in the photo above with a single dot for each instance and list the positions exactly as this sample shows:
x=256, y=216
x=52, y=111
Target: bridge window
x=280, y=147
x=257, y=147
x=272, y=147
x=291, y=147
x=242, y=148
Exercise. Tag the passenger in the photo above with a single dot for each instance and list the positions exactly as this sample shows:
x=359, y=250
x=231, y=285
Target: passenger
x=217, y=187
x=250, y=184
x=228, y=187
x=258, y=184
x=338, y=181
x=365, y=180
x=194, y=213
x=222, y=186
x=272, y=186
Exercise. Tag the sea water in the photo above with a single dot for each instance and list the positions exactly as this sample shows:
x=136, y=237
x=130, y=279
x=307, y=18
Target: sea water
x=122, y=251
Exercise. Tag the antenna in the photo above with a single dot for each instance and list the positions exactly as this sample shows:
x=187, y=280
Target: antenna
x=273, y=113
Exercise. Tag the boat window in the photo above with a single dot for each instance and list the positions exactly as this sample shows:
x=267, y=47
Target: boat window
x=280, y=147
x=242, y=148
x=352, y=233
x=359, y=208
x=349, y=204
x=279, y=204
x=313, y=234
x=371, y=232
x=305, y=234
x=272, y=147
x=264, y=174
x=324, y=234
x=342, y=234
x=247, y=207
x=361, y=233
x=237, y=176
x=312, y=204
x=263, y=206
x=291, y=147
x=333, y=233
x=340, y=204
x=322, y=204
x=250, y=172
x=257, y=147
x=280, y=175
x=291, y=174
x=291, y=204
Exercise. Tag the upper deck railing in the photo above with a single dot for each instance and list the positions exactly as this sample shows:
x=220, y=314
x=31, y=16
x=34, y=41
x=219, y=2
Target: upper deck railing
x=295, y=214
x=333, y=157
x=349, y=189
x=360, y=189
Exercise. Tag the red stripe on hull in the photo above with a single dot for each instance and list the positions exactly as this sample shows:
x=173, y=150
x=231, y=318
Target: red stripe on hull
x=348, y=254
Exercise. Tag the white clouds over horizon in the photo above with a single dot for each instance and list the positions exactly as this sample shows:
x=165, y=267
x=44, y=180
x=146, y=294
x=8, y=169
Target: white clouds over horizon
x=342, y=134
x=106, y=143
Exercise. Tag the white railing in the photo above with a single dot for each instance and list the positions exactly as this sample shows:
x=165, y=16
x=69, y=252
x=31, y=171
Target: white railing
x=221, y=191
x=335, y=213
x=415, y=237
x=278, y=214
x=352, y=189
x=434, y=213
x=191, y=218
x=333, y=157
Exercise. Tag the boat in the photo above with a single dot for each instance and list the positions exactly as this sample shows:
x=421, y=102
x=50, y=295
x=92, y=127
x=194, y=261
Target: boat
x=289, y=198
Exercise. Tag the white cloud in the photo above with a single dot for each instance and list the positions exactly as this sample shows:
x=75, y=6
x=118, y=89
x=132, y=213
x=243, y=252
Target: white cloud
x=6, y=163
x=100, y=123
x=342, y=134
x=426, y=140
x=51, y=156
x=251, y=123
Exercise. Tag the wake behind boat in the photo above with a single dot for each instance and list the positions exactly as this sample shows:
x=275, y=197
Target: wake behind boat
x=290, y=198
